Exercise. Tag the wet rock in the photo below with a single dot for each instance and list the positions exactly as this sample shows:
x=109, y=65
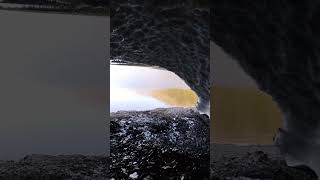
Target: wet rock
x=168, y=143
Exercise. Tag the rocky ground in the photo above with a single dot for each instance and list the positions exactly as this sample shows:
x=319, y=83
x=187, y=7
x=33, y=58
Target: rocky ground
x=160, y=144
x=253, y=163
x=174, y=144
x=45, y=167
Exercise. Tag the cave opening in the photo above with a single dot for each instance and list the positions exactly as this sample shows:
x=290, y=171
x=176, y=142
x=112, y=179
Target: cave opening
x=140, y=87
x=250, y=115
x=154, y=119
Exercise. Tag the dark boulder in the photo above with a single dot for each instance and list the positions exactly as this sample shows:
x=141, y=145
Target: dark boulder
x=160, y=144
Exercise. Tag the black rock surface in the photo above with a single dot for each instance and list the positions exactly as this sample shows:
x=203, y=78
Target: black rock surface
x=159, y=144
x=253, y=162
x=174, y=143
x=173, y=35
x=64, y=167
x=277, y=42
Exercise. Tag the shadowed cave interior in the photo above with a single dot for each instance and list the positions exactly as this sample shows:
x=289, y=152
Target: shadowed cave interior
x=269, y=46
x=275, y=42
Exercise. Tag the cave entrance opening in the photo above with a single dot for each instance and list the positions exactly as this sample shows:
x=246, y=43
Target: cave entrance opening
x=249, y=115
x=136, y=87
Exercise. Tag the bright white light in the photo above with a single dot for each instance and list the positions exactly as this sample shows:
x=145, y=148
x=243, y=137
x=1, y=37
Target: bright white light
x=137, y=77
x=127, y=83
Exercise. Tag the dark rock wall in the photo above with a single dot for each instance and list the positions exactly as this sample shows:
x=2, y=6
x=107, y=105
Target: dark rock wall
x=168, y=34
x=277, y=42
